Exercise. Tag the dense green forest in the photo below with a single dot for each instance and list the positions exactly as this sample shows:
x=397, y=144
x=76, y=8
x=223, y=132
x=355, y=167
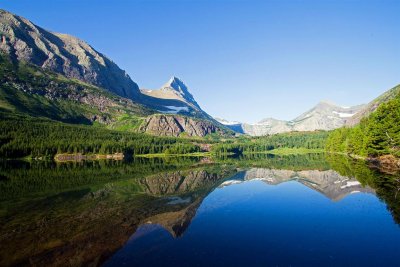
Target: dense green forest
x=308, y=140
x=24, y=136
x=378, y=134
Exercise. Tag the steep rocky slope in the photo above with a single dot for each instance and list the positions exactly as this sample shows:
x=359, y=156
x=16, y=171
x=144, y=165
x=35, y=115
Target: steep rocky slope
x=30, y=90
x=62, y=53
x=373, y=105
x=174, y=98
x=172, y=125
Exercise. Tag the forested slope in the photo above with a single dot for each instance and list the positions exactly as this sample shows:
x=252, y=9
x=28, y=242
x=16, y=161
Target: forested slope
x=376, y=135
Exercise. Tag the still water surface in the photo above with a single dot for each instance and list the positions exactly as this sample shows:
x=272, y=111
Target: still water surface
x=310, y=210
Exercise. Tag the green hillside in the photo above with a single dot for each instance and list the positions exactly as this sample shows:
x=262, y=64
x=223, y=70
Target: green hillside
x=376, y=135
x=29, y=90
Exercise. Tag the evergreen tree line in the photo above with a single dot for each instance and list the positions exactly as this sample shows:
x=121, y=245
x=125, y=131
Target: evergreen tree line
x=376, y=135
x=308, y=140
x=40, y=138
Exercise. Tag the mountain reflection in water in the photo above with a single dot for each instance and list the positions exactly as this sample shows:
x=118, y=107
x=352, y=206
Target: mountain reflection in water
x=83, y=213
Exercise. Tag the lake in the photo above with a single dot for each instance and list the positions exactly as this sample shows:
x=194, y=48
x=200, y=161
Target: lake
x=259, y=210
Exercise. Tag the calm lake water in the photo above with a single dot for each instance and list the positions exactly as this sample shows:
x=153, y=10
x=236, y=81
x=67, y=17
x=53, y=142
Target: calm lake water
x=309, y=210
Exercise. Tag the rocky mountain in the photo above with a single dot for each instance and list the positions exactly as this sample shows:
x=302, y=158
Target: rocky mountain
x=62, y=53
x=173, y=98
x=373, y=105
x=324, y=116
x=58, y=76
x=174, y=89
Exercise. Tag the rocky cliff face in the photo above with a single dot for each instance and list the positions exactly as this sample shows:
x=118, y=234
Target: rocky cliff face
x=177, y=87
x=24, y=41
x=169, y=125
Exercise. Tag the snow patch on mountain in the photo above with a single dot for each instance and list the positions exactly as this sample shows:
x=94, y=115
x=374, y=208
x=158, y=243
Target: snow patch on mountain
x=174, y=109
x=343, y=115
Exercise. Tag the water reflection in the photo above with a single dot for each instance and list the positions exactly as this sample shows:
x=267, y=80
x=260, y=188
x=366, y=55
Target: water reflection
x=82, y=213
x=329, y=182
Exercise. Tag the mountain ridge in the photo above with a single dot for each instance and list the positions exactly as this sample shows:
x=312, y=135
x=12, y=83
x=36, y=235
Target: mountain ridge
x=70, y=56
x=323, y=116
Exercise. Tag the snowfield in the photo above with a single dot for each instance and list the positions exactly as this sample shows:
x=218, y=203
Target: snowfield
x=174, y=109
x=343, y=115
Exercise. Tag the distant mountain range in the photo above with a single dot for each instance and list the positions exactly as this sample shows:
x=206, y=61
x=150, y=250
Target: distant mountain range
x=324, y=116
x=58, y=76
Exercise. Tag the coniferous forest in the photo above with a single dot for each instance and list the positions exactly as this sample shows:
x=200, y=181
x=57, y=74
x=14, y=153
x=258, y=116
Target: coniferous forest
x=376, y=135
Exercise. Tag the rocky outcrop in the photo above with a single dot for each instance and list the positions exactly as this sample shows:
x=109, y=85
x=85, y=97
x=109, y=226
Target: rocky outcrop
x=24, y=41
x=174, y=125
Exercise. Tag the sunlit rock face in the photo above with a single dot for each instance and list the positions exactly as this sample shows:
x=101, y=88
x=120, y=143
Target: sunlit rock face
x=173, y=125
x=62, y=53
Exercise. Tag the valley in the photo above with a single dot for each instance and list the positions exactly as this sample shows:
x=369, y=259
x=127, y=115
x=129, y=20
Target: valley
x=60, y=78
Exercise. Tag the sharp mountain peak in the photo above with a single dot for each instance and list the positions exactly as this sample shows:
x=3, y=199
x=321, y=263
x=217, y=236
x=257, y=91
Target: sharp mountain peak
x=177, y=84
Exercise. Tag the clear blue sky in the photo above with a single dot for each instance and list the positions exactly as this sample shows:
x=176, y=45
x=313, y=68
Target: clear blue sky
x=242, y=60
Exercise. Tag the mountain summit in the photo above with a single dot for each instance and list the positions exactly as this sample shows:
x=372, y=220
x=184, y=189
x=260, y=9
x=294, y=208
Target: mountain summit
x=174, y=97
x=179, y=88
x=23, y=41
